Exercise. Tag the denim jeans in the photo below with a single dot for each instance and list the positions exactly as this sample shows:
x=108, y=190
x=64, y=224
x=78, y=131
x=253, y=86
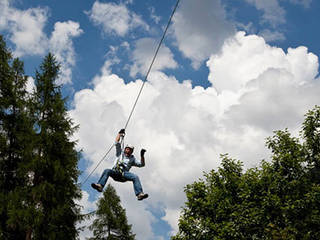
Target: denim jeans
x=127, y=176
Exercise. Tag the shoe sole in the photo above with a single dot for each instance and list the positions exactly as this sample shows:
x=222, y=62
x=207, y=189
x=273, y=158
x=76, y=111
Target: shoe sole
x=93, y=185
x=144, y=197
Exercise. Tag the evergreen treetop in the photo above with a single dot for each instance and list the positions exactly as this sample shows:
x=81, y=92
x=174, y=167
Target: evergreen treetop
x=111, y=220
x=16, y=146
x=55, y=166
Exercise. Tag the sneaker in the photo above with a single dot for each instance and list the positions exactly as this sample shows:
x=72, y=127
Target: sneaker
x=97, y=186
x=142, y=196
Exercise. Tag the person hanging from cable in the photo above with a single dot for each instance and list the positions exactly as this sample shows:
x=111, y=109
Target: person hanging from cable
x=120, y=171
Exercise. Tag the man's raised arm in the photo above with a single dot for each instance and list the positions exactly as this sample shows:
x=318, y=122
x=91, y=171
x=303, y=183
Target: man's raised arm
x=118, y=138
x=142, y=152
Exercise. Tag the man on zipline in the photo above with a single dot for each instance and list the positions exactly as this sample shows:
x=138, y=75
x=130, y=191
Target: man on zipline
x=120, y=171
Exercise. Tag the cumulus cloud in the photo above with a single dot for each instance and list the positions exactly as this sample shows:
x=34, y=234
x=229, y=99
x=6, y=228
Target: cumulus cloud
x=25, y=28
x=272, y=36
x=256, y=88
x=87, y=207
x=115, y=18
x=62, y=46
x=273, y=13
x=200, y=29
x=26, y=32
x=305, y=3
x=246, y=57
x=4, y=10
x=270, y=90
x=143, y=54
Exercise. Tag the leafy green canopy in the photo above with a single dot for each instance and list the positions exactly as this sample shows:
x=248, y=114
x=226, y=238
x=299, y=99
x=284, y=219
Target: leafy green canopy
x=111, y=222
x=279, y=199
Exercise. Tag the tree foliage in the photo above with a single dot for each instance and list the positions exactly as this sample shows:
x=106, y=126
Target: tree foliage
x=55, y=164
x=38, y=161
x=111, y=222
x=280, y=199
x=16, y=146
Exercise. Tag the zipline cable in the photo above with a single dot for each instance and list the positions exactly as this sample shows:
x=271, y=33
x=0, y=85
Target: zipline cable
x=152, y=62
x=97, y=165
x=105, y=155
x=141, y=88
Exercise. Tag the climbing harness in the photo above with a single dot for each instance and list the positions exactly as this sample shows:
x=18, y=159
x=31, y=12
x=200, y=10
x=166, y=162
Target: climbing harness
x=119, y=168
x=141, y=88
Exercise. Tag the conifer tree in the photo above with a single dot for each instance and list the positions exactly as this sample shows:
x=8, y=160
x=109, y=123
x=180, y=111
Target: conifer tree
x=111, y=222
x=16, y=141
x=55, y=164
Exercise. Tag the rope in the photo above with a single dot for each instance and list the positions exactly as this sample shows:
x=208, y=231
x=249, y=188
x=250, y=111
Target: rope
x=142, y=86
x=152, y=62
x=97, y=165
x=121, y=142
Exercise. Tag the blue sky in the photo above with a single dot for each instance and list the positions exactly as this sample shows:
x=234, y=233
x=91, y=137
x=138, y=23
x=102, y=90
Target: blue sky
x=228, y=74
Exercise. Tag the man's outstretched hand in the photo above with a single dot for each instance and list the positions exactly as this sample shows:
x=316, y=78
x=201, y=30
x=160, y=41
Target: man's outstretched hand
x=142, y=152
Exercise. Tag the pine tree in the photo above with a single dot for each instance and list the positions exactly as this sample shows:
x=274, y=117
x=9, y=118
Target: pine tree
x=55, y=165
x=16, y=141
x=111, y=222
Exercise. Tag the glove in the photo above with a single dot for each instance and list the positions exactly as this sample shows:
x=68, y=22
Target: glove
x=142, y=152
x=122, y=131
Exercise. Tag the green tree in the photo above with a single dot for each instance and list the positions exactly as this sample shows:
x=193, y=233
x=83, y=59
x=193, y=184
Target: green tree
x=311, y=135
x=280, y=199
x=111, y=222
x=55, y=165
x=16, y=146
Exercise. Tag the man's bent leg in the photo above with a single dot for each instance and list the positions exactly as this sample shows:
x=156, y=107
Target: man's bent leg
x=104, y=177
x=136, y=182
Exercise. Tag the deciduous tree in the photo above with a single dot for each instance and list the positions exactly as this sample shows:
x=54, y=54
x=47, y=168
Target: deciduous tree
x=280, y=199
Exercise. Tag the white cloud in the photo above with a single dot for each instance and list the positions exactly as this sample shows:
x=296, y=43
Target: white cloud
x=61, y=46
x=30, y=86
x=273, y=13
x=126, y=45
x=128, y=1
x=271, y=90
x=26, y=32
x=143, y=53
x=87, y=207
x=272, y=36
x=200, y=29
x=305, y=3
x=246, y=57
x=261, y=89
x=115, y=18
x=153, y=15
x=25, y=28
x=4, y=12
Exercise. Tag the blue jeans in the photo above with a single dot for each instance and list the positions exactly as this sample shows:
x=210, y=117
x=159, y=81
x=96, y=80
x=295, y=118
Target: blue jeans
x=127, y=176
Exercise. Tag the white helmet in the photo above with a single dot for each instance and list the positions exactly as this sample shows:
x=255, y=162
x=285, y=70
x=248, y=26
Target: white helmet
x=130, y=146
